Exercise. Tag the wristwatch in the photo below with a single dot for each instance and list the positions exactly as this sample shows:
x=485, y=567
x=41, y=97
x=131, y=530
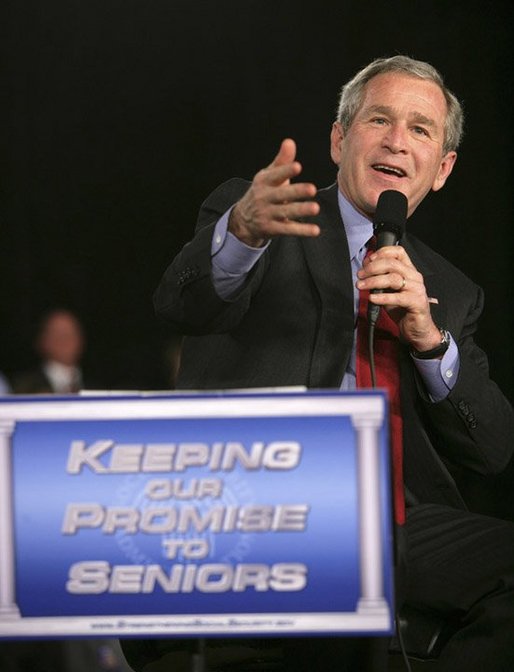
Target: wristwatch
x=438, y=351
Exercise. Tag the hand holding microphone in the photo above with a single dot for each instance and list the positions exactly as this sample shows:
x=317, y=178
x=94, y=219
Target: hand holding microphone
x=393, y=280
x=388, y=226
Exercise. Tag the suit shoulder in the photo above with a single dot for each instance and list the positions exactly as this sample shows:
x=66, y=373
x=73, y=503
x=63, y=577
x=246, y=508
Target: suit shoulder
x=220, y=200
x=33, y=381
x=425, y=258
x=229, y=192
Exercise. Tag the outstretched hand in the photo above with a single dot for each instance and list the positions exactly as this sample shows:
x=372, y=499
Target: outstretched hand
x=273, y=205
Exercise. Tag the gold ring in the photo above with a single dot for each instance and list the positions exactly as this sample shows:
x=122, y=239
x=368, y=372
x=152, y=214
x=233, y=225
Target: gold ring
x=404, y=282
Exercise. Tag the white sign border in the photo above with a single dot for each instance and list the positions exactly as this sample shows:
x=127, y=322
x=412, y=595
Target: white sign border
x=367, y=412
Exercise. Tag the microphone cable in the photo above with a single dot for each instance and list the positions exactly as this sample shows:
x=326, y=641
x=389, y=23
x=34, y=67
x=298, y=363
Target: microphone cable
x=371, y=349
x=399, y=634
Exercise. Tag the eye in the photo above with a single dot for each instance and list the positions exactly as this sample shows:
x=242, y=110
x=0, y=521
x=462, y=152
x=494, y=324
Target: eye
x=379, y=121
x=419, y=130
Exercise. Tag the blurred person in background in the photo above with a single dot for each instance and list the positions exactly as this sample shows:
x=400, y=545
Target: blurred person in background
x=60, y=344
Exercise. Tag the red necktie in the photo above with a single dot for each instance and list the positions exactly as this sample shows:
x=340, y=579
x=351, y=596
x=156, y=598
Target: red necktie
x=388, y=377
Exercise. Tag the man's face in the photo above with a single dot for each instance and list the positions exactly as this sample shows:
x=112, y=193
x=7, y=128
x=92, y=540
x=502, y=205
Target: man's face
x=395, y=142
x=61, y=339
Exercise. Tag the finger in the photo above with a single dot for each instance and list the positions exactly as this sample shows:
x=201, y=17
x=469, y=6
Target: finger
x=410, y=296
x=294, y=211
x=411, y=305
x=292, y=192
x=392, y=252
x=286, y=153
x=278, y=175
x=283, y=167
x=395, y=282
x=383, y=264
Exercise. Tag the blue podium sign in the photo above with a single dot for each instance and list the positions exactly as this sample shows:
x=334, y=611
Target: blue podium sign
x=213, y=514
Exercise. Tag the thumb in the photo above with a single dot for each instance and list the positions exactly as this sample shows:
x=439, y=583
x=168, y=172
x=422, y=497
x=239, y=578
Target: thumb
x=286, y=153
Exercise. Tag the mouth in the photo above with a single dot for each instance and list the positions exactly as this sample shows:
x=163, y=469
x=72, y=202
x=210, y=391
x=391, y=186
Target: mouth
x=393, y=171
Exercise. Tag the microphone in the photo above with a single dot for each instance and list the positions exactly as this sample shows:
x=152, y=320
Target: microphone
x=388, y=226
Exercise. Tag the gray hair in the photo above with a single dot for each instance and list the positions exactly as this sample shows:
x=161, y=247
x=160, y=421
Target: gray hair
x=352, y=94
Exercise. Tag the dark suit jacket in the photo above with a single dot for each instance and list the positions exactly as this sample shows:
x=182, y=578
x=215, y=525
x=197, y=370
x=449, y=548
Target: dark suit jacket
x=32, y=382
x=292, y=324
x=35, y=381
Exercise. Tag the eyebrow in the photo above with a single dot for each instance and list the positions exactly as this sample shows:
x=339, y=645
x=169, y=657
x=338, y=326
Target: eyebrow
x=415, y=116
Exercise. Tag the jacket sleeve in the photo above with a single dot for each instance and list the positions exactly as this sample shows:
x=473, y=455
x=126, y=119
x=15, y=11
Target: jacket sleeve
x=186, y=297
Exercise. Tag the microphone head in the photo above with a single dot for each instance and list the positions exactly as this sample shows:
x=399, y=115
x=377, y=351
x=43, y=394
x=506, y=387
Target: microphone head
x=391, y=212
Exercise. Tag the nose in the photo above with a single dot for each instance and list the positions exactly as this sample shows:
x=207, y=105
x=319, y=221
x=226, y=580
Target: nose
x=395, y=139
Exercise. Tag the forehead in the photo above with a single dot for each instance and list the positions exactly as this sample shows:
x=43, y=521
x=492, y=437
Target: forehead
x=60, y=322
x=405, y=94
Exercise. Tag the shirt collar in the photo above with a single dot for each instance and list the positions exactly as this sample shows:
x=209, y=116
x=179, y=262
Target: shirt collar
x=358, y=228
x=62, y=378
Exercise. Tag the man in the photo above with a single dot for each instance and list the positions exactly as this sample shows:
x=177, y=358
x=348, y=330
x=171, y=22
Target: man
x=60, y=344
x=268, y=294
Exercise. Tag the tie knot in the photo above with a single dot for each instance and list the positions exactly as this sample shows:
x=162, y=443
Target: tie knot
x=368, y=248
x=371, y=245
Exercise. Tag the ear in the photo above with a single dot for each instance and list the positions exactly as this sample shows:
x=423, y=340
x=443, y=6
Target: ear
x=446, y=167
x=336, y=138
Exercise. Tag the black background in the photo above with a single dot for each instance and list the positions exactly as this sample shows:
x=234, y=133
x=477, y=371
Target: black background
x=120, y=116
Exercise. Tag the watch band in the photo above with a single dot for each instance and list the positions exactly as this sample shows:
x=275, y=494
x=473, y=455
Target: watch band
x=434, y=352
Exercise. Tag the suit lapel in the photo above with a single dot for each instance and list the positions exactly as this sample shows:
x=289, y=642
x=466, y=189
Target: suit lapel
x=328, y=261
x=434, y=283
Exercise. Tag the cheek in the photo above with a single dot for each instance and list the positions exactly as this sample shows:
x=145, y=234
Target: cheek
x=427, y=168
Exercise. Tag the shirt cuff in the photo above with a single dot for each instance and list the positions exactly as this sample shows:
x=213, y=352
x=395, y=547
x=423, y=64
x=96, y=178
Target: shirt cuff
x=232, y=259
x=440, y=375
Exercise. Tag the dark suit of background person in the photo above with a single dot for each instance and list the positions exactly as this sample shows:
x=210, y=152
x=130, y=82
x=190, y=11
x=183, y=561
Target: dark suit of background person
x=292, y=323
x=4, y=385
